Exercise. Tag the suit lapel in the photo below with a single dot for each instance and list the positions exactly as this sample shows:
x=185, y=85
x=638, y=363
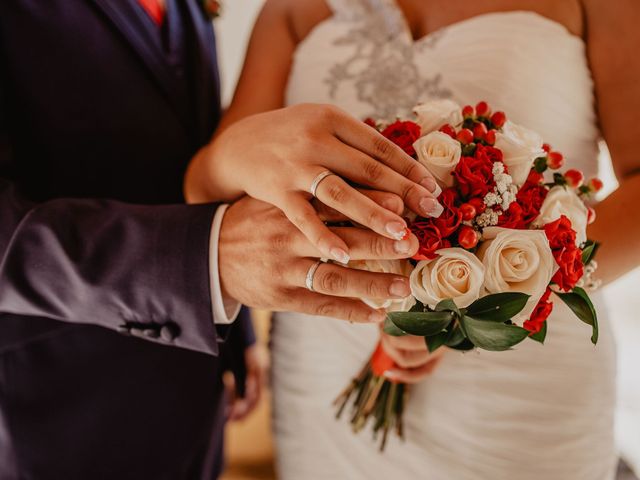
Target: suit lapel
x=206, y=79
x=130, y=20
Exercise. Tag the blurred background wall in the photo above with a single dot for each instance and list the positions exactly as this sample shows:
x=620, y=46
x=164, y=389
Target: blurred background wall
x=250, y=447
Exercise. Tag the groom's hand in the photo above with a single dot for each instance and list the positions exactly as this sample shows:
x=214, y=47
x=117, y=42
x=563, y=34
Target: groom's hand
x=279, y=156
x=264, y=259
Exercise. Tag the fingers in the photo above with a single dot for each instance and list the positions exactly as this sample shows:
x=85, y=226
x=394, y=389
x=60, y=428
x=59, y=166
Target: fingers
x=338, y=281
x=364, y=170
x=405, y=358
x=302, y=214
x=334, y=192
x=386, y=200
x=413, y=375
x=367, y=140
x=363, y=245
x=313, y=303
x=256, y=366
x=407, y=342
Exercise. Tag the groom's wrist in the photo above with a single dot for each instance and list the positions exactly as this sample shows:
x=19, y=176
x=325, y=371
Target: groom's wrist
x=225, y=308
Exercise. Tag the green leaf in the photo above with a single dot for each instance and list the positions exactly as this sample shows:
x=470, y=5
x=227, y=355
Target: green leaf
x=493, y=336
x=589, y=251
x=558, y=179
x=463, y=346
x=541, y=335
x=421, y=323
x=390, y=328
x=498, y=307
x=418, y=307
x=580, y=304
x=540, y=164
x=434, y=342
x=456, y=336
x=447, y=305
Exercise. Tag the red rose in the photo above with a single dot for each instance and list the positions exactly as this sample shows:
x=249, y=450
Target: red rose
x=534, y=177
x=449, y=197
x=512, y=218
x=540, y=314
x=571, y=269
x=429, y=238
x=474, y=176
x=486, y=152
x=448, y=221
x=562, y=240
x=560, y=233
x=451, y=218
x=530, y=198
x=403, y=134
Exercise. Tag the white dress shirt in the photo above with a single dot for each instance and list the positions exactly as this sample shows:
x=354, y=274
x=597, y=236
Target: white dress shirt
x=225, y=309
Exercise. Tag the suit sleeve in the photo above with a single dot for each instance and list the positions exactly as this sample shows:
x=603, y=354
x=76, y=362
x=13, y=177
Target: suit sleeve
x=140, y=270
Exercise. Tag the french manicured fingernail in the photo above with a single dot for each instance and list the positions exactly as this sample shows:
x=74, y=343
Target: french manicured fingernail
x=340, y=255
x=431, y=207
x=396, y=229
x=430, y=184
x=377, y=317
x=402, y=247
x=437, y=191
x=399, y=288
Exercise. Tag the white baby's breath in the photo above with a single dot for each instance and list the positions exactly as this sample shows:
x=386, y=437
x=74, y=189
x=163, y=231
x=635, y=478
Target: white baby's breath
x=487, y=218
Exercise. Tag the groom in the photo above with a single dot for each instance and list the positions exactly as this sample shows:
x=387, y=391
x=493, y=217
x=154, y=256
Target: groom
x=114, y=329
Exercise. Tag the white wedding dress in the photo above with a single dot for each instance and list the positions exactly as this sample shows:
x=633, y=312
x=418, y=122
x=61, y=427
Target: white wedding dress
x=534, y=413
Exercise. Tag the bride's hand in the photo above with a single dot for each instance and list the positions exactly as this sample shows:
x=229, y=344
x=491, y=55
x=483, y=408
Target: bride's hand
x=275, y=157
x=411, y=356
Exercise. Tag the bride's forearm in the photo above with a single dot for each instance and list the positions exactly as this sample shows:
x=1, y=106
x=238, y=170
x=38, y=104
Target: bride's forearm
x=617, y=228
x=204, y=181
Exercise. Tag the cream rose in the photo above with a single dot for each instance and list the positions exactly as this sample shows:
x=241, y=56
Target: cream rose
x=520, y=147
x=455, y=273
x=434, y=114
x=517, y=261
x=399, y=267
x=440, y=154
x=563, y=201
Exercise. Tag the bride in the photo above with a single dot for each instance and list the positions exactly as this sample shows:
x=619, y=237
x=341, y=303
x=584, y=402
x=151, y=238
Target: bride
x=537, y=412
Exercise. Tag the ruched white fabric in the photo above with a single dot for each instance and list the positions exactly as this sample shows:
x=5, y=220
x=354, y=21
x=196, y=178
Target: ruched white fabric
x=534, y=413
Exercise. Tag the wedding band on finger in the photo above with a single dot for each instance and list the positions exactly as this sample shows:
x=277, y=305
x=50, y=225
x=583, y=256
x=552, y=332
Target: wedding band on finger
x=310, y=274
x=316, y=181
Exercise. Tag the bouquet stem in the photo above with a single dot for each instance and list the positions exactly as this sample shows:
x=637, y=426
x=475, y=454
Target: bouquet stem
x=375, y=397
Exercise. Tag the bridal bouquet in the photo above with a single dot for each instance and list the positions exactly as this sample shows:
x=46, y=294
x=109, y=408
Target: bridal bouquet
x=507, y=240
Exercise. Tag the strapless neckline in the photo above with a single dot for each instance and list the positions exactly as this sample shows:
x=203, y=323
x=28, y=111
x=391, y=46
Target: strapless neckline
x=478, y=19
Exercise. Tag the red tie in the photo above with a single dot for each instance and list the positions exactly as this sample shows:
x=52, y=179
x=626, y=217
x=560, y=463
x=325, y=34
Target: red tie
x=155, y=9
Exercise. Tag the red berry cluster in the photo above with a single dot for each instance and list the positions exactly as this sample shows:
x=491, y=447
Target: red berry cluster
x=479, y=125
x=572, y=178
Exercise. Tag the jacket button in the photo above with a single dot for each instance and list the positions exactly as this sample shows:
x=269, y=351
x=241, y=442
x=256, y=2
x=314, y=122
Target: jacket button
x=136, y=332
x=169, y=332
x=123, y=329
x=151, y=332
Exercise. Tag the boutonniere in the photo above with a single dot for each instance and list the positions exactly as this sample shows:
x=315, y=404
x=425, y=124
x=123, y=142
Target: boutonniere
x=211, y=8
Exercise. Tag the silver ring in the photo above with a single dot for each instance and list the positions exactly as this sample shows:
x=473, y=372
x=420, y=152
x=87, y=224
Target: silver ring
x=310, y=274
x=316, y=181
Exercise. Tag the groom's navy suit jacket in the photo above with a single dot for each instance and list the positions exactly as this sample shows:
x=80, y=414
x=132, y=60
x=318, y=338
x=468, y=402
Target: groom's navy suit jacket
x=110, y=362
